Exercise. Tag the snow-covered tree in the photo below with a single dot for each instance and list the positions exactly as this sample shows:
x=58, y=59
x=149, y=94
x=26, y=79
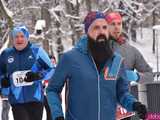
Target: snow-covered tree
x=64, y=18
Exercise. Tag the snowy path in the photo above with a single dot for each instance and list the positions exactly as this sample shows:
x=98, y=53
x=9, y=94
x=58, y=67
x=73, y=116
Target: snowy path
x=144, y=45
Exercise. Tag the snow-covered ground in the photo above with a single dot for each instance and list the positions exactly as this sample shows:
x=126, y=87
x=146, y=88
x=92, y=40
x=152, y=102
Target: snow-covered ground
x=11, y=116
x=144, y=45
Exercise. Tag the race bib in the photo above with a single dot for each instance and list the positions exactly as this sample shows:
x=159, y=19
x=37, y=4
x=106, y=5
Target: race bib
x=18, y=78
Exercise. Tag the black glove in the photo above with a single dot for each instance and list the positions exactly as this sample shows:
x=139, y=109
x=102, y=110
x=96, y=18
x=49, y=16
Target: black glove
x=32, y=76
x=5, y=82
x=140, y=109
x=60, y=118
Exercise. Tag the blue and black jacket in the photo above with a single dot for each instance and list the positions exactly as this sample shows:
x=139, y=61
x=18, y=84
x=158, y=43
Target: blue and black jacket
x=32, y=58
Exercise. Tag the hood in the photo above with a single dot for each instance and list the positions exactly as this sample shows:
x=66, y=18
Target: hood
x=82, y=44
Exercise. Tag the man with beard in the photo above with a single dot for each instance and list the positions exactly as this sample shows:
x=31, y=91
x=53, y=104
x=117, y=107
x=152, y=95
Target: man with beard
x=95, y=76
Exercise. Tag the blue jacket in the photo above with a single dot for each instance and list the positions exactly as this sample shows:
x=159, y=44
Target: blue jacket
x=90, y=95
x=31, y=58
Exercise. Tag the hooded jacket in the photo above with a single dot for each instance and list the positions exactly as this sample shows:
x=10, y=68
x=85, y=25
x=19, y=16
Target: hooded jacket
x=90, y=95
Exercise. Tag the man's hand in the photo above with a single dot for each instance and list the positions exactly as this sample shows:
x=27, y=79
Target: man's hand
x=60, y=118
x=140, y=109
x=32, y=76
x=5, y=82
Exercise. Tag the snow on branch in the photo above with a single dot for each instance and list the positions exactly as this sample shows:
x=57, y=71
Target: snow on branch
x=71, y=16
x=74, y=2
x=9, y=13
x=52, y=12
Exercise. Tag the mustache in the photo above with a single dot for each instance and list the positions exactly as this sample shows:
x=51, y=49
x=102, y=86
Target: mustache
x=101, y=38
x=100, y=50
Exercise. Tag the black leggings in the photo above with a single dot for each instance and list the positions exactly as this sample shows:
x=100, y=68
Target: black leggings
x=48, y=111
x=28, y=111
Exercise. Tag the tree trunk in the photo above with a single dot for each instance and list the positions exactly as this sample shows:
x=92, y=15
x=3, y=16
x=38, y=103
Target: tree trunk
x=10, y=22
x=154, y=34
x=9, y=19
x=88, y=5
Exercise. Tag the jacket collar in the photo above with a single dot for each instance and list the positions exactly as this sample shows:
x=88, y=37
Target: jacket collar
x=121, y=40
x=82, y=44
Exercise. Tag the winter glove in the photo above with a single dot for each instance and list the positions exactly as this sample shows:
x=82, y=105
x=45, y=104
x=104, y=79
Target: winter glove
x=32, y=76
x=140, y=109
x=5, y=82
x=60, y=118
x=132, y=76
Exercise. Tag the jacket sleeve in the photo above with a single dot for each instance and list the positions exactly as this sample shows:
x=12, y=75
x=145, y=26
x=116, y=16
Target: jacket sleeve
x=143, y=69
x=43, y=64
x=55, y=86
x=124, y=97
x=3, y=71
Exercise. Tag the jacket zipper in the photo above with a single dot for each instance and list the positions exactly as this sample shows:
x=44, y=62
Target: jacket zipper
x=20, y=69
x=99, y=99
